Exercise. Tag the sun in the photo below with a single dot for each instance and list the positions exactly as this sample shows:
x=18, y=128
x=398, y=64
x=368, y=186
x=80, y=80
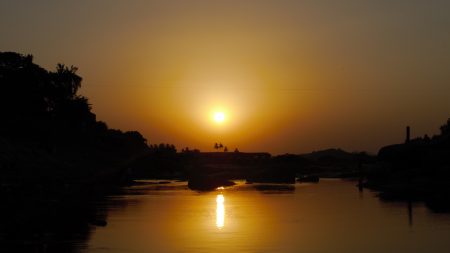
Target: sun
x=219, y=117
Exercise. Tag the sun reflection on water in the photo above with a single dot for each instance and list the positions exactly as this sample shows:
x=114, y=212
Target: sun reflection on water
x=220, y=211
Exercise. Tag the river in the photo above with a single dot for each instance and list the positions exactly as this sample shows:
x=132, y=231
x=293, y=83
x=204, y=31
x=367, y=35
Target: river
x=331, y=216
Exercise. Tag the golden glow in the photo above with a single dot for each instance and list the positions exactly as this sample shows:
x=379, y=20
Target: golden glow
x=278, y=70
x=219, y=117
x=220, y=211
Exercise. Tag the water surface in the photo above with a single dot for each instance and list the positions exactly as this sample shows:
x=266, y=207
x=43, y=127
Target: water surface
x=332, y=216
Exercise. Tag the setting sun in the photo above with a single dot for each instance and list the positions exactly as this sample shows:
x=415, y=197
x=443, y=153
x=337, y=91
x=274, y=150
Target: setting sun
x=219, y=117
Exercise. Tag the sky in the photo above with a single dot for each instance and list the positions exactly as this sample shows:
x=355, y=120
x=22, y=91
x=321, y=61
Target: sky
x=290, y=76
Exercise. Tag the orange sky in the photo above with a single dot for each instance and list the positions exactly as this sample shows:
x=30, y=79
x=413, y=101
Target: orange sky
x=291, y=76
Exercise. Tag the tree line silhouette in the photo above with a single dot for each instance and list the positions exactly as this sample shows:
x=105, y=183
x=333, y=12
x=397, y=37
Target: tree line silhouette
x=55, y=158
x=46, y=123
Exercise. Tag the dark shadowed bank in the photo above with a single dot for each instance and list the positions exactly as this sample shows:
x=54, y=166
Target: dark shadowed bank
x=417, y=170
x=209, y=170
x=55, y=158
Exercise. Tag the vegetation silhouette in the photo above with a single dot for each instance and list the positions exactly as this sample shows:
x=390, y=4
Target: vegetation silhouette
x=55, y=158
x=49, y=129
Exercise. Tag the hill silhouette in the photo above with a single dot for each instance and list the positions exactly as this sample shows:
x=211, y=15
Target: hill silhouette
x=329, y=154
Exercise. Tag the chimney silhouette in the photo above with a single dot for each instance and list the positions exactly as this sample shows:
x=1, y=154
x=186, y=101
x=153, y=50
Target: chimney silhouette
x=408, y=132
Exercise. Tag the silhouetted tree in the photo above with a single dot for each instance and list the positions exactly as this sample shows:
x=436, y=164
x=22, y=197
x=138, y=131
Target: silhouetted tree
x=36, y=104
x=41, y=111
x=445, y=129
x=216, y=146
x=24, y=90
x=163, y=149
x=225, y=149
x=68, y=82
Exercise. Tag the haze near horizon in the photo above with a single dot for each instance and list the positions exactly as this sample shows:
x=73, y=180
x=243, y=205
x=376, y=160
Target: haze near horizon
x=285, y=76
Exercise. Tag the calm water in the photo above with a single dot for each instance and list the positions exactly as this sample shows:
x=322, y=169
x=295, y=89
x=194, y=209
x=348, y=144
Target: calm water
x=331, y=216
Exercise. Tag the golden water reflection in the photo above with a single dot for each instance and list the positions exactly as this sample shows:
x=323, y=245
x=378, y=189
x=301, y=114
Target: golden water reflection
x=165, y=220
x=220, y=211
